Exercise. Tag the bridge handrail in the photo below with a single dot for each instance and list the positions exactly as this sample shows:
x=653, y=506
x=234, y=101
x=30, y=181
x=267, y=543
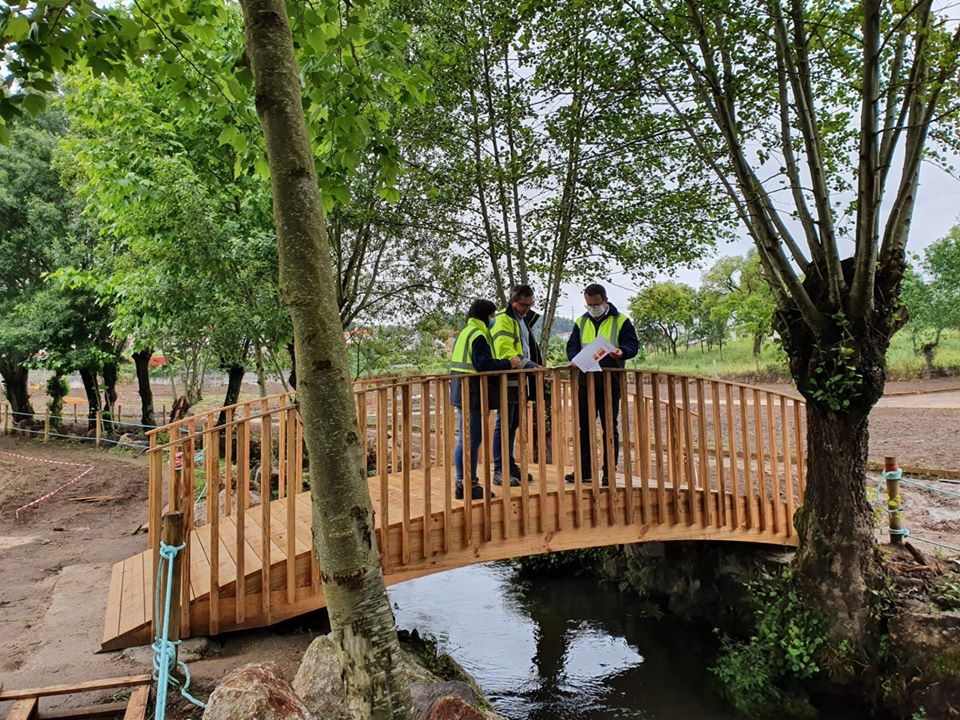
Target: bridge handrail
x=695, y=451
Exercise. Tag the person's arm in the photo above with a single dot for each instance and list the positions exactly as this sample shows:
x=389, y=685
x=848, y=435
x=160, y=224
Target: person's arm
x=483, y=359
x=573, y=342
x=627, y=340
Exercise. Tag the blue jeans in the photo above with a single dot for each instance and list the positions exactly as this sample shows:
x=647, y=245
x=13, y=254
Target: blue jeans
x=476, y=437
x=513, y=422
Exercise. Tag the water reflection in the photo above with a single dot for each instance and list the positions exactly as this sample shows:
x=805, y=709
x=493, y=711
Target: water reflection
x=561, y=648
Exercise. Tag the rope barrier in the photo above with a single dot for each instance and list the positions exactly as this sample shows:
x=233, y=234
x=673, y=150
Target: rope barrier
x=165, y=650
x=33, y=503
x=893, y=506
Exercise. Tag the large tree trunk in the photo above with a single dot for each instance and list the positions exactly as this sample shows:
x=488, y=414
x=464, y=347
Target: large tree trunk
x=361, y=618
x=234, y=382
x=92, y=389
x=292, y=380
x=110, y=394
x=17, y=390
x=141, y=359
x=838, y=556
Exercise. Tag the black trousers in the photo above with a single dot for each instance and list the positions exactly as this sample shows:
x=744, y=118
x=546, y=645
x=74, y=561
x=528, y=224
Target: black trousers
x=587, y=450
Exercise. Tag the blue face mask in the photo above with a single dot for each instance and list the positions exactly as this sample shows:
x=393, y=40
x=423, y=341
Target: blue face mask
x=490, y=323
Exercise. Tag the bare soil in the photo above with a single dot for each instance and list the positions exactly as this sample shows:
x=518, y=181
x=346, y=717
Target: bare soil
x=55, y=560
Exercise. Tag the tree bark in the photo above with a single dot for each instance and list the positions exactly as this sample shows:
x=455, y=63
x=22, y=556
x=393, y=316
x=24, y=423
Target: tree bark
x=361, y=618
x=141, y=359
x=55, y=391
x=15, y=385
x=234, y=382
x=838, y=558
x=92, y=389
x=110, y=393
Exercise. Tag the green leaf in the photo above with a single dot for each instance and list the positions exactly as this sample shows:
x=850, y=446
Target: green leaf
x=18, y=28
x=34, y=104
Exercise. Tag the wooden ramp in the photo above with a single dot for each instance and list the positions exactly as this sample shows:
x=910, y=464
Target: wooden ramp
x=672, y=484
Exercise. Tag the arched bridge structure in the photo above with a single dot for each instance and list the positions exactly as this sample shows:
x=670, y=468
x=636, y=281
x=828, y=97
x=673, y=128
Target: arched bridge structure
x=699, y=459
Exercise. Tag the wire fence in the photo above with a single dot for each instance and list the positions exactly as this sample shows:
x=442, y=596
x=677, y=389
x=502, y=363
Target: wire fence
x=103, y=428
x=889, y=495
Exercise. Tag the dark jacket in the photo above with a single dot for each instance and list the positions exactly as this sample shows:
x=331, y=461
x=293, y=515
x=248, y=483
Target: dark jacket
x=626, y=340
x=482, y=356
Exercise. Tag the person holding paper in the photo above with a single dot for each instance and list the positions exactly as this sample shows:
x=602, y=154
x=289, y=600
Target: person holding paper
x=601, y=322
x=513, y=337
x=472, y=354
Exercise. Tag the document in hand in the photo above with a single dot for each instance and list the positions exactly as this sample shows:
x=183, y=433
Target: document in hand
x=588, y=359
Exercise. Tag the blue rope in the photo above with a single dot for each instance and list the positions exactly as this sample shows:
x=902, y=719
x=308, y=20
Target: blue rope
x=165, y=650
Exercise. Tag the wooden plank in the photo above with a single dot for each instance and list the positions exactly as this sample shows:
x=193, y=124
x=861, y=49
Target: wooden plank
x=465, y=435
x=752, y=521
x=137, y=707
x=485, y=452
x=675, y=451
x=384, y=473
x=426, y=463
x=88, y=686
x=613, y=505
x=504, y=414
x=524, y=432
x=111, y=625
x=541, y=454
x=407, y=464
x=706, y=518
x=131, y=596
x=558, y=421
x=155, y=509
x=211, y=449
x=228, y=455
x=23, y=710
x=294, y=480
x=266, y=493
x=765, y=523
x=627, y=444
x=103, y=710
x=594, y=467
x=798, y=429
x=774, y=470
x=577, y=464
x=721, y=519
x=787, y=464
x=243, y=497
x=658, y=448
x=448, y=415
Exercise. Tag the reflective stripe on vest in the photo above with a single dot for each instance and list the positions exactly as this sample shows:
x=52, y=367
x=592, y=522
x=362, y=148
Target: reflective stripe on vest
x=609, y=328
x=462, y=361
x=507, y=326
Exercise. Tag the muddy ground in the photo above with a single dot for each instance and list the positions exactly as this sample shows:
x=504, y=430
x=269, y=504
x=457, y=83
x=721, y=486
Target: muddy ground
x=55, y=559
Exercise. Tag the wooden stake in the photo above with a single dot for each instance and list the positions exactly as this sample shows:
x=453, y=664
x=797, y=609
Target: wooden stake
x=99, y=428
x=46, y=425
x=171, y=534
x=894, y=501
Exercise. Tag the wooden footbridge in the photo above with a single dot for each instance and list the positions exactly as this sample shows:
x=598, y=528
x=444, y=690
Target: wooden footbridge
x=700, y=459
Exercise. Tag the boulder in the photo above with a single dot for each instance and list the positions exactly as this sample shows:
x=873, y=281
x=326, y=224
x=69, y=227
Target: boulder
x=450, y=707
x=426, y=695
x=318, y=681
x=256, y=692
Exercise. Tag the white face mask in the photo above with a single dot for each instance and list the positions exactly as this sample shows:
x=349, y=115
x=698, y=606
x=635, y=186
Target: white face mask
x=597, y=311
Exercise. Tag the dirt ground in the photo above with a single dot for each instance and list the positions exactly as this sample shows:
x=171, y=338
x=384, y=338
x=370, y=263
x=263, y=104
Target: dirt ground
x=55, y=560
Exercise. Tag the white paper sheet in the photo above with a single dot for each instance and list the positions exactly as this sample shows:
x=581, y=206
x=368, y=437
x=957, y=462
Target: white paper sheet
x=588, y=359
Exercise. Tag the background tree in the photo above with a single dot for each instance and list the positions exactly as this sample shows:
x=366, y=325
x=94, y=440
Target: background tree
x=932, y=300
x=744, y=296
x=668, y=308
x=755, y=86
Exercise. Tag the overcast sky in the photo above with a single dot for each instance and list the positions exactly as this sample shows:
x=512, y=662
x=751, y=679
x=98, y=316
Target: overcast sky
x=937, y=210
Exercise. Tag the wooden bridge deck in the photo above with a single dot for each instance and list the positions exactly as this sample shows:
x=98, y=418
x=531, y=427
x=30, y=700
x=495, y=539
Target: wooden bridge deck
x=674, y=482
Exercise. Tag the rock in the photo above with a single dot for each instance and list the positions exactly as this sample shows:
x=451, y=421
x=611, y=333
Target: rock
x=318, y=681
x=452, y=708
x=194, y=649
x=424, y=695
x=256, y=692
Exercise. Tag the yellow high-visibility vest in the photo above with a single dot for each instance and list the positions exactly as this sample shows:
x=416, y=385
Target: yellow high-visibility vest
x=506, y=336
x=462, y=361
x=609, y=328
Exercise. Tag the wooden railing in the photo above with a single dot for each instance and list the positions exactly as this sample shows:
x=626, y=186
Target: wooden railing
x=695, y=452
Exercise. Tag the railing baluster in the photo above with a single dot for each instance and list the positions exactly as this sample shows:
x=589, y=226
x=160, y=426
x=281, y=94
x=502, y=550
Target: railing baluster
x=504, y=414
x=752, y=520
x=761, y=464
x=407, y=466
x=557, y=425
x=524, y=431
x=798, y=429
x=541, y=416
x=662, y=515
x=577, y=459
x=675, y=448
x=448, y=416
x=624, y=409
x=775, y=503
x=243, y=473
x=787, y=464
x=732, y=446
x=211, y=453
x=592, y=449
x=708, y=517
x=689, y=452
x=426, y=465
x=467, y=455
x=266, y=495
x=228, y=462
x=294, y=488
x=613, y=505
x=642, y=432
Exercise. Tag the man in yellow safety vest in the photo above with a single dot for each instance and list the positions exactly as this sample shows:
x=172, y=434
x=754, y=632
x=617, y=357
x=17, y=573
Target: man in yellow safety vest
x=513, y=337
x=602, y=319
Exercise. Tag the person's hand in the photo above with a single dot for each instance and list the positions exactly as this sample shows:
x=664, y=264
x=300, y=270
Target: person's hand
x=617, y=353
x=515, y=362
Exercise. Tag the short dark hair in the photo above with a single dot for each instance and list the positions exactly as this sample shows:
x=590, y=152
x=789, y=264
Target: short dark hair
x=521, y=291
x=481, y=309
x=595, y=289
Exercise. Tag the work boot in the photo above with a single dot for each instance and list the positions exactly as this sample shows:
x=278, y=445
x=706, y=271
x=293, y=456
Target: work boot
x=604, y=480
x=571, y=478
x=515, y=476
x=476, y=492
x=498, y=479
